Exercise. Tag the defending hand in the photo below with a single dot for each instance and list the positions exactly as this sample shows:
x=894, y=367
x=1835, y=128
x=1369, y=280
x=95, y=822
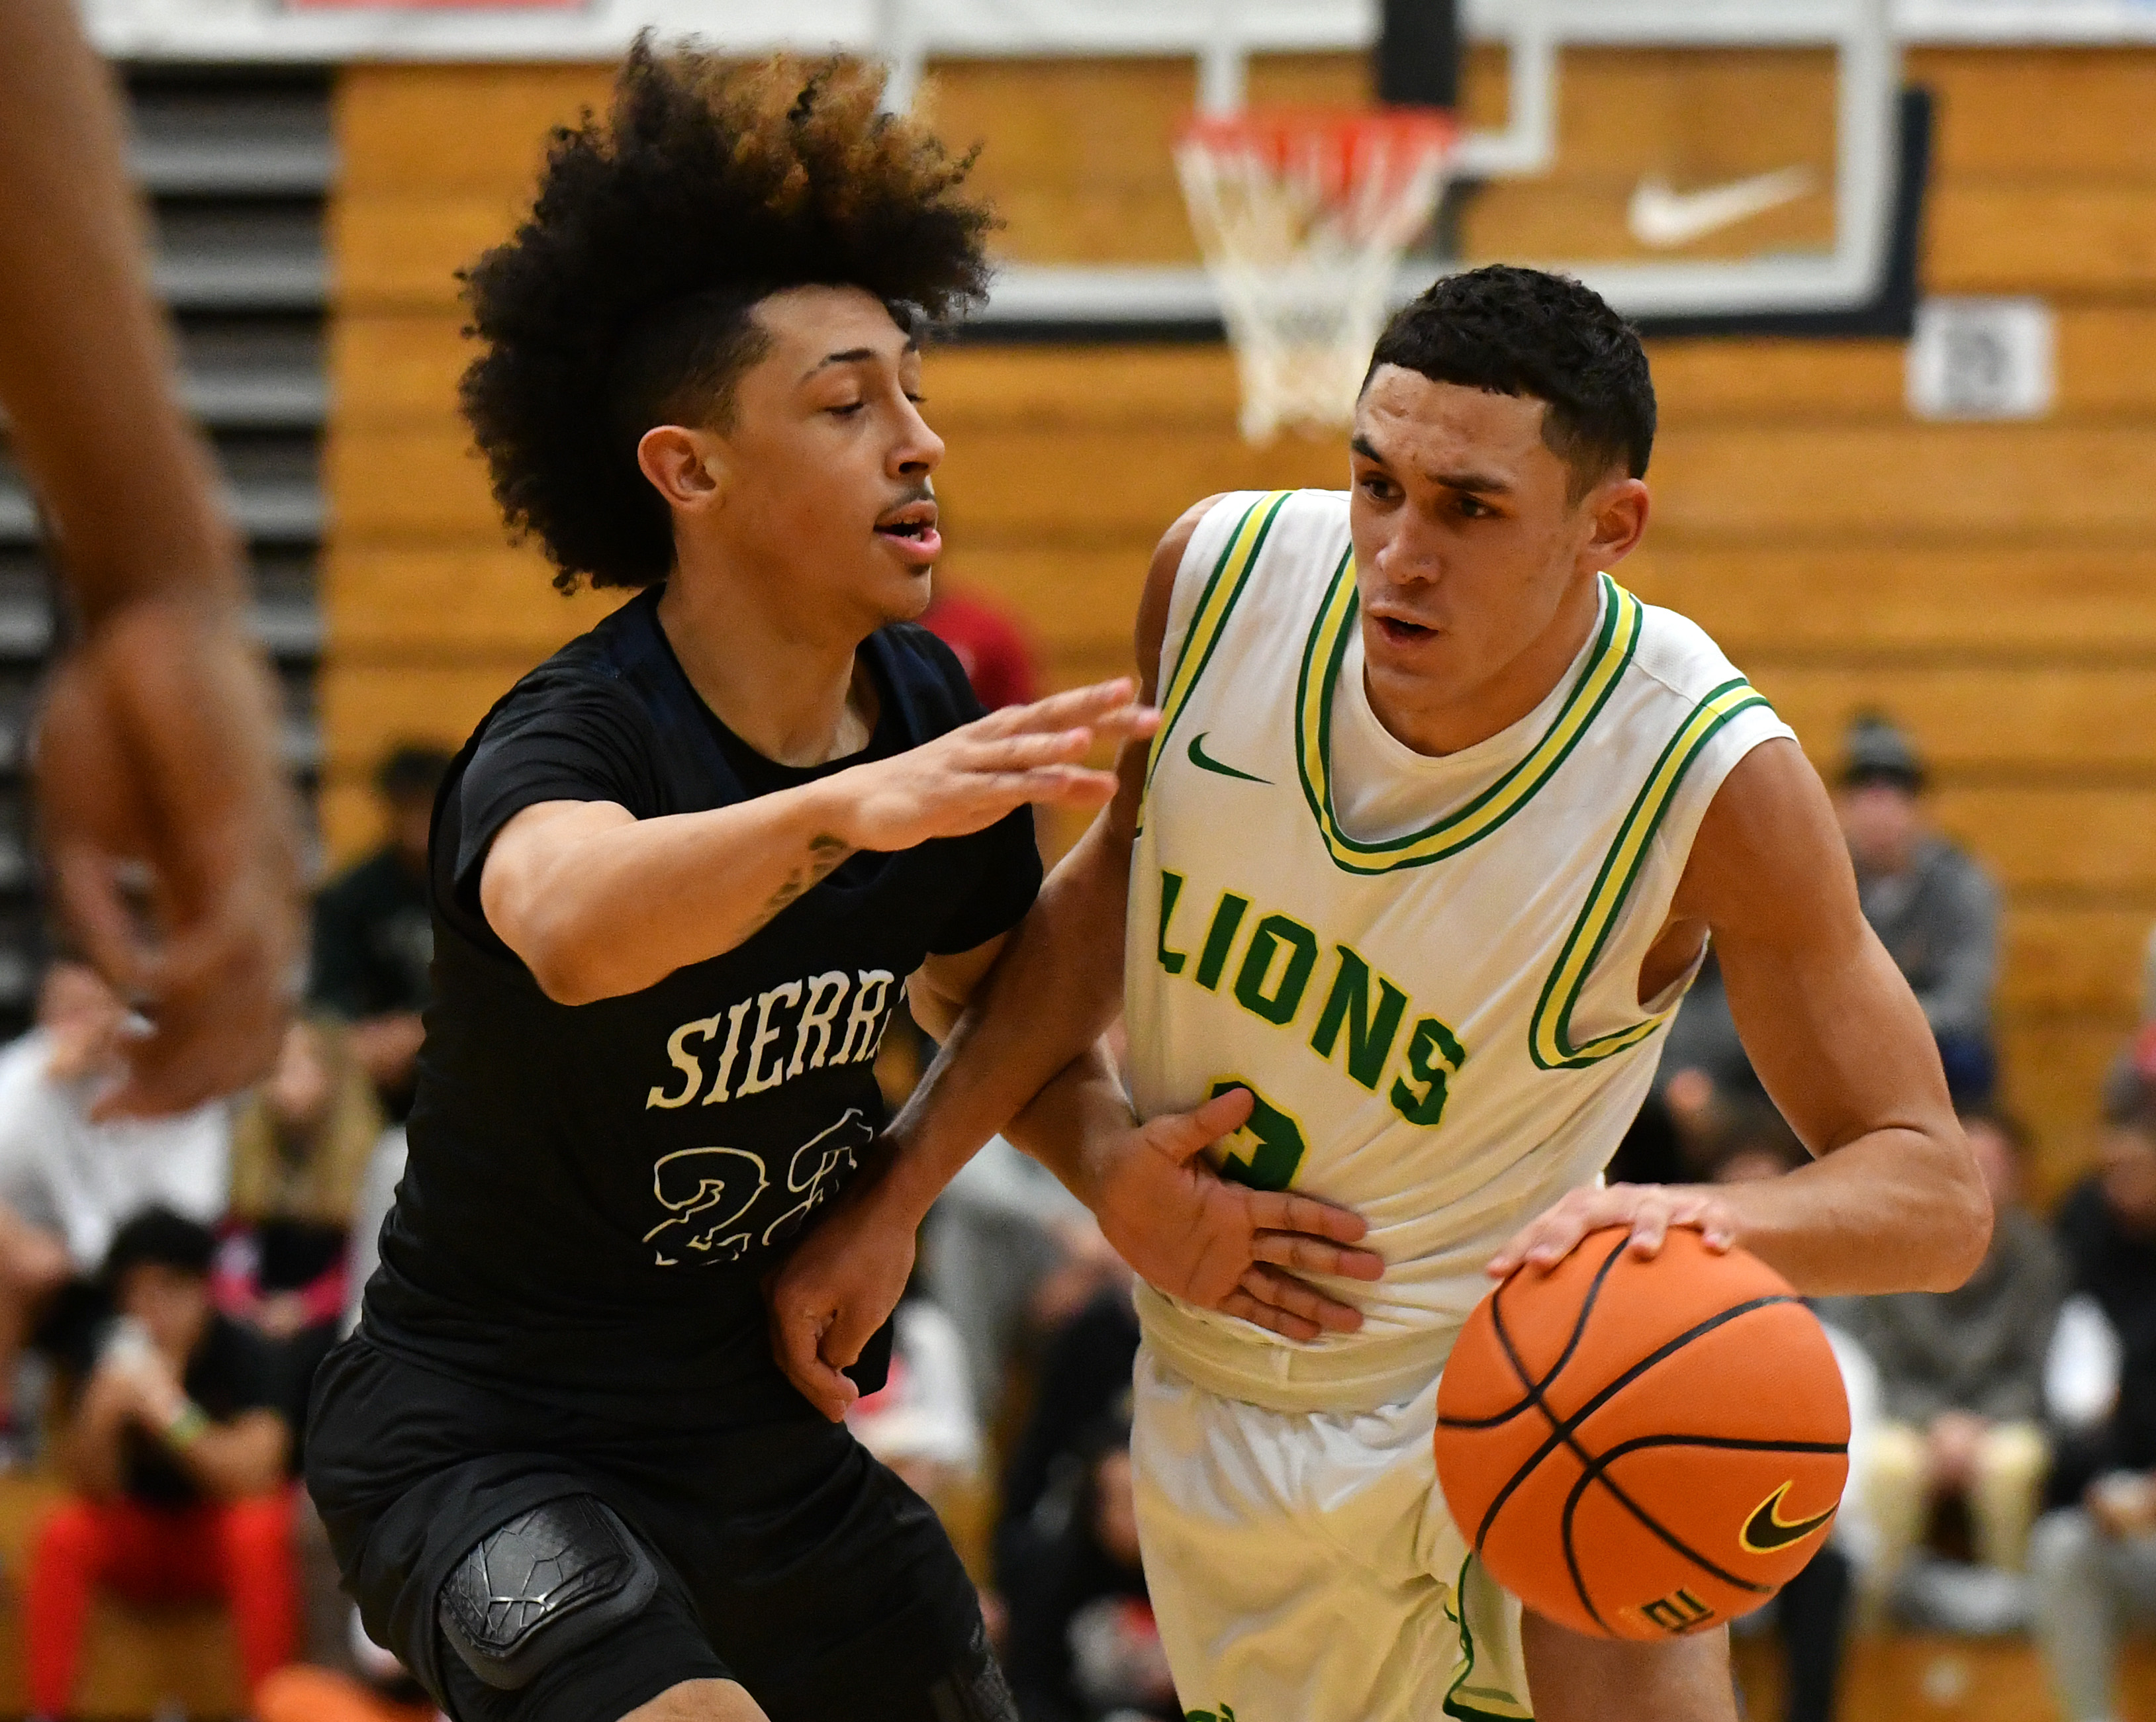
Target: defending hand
x=1191, y=1234
x=966, y=780
x=837, y=1288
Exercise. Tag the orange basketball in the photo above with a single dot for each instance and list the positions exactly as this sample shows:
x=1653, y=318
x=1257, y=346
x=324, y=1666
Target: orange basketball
x=1639, y=1449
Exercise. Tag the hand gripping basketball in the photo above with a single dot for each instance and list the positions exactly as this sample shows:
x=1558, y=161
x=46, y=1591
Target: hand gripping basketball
x=1641, y=1449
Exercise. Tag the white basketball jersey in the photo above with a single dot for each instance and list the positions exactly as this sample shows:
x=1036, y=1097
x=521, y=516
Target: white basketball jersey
x=1427, y=969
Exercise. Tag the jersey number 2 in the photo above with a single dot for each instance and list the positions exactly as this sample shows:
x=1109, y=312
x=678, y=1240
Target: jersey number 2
x=1266, y=1152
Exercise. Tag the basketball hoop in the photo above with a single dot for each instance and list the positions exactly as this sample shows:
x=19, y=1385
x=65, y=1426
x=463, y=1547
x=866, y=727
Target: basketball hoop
x=1303, y=215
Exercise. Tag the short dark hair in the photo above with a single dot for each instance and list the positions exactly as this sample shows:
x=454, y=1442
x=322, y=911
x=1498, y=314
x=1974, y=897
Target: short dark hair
x=1528, y=332
x=159, y=1238
x=624, y=299
x=412, y=769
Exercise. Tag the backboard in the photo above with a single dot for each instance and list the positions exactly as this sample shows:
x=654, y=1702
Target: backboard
x=1700, y=162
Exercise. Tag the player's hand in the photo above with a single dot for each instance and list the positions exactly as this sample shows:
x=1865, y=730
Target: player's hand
x=1648, y=1209
x=966, y=780
x=1224, y=1246
x=157, y=754
x=835, y=1290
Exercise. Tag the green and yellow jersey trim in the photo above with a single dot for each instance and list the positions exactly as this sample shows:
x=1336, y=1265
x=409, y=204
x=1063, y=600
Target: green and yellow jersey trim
x=1225, y=585
x=1550, y=1035
x=1614, y=644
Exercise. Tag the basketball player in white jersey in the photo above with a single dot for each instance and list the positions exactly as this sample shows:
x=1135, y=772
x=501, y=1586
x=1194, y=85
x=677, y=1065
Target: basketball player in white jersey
x=1430, y=842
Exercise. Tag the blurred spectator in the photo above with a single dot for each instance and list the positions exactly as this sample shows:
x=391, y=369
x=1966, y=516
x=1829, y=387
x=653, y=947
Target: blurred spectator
x=1083, y=1385
x=1652, y=1152
x=1704, y=1065
x=921, y=1422
x=299, y=1148
x=374, y=937
x=999, y=1230
x=1813, y=1610
x=1933, y=905
x=370, y=1208
x=989, y=645
x=67, y=1180
x=176, y=1462
x=2094, y=1560
x=1962, y=1376
x=1083, y=1644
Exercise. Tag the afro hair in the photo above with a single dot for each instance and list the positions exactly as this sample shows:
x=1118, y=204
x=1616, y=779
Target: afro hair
x=625, y=299
x=1528, y=332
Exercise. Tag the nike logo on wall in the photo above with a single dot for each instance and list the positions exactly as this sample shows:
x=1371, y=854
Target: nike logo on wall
x=1664, y=218
x=1199, y=758
x=1766, y=1530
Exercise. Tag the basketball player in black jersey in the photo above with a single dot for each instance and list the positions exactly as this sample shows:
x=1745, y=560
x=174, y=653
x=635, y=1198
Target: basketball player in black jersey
x=683, y=874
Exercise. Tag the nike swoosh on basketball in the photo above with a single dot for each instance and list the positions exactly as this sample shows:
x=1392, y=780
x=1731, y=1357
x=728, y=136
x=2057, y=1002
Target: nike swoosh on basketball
x=1205, y=762
x=1662, y=217
x=1766, y=1530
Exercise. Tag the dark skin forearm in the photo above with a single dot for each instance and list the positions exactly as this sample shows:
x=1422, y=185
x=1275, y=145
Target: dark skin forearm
x=1040, y=1012
x=86, y=369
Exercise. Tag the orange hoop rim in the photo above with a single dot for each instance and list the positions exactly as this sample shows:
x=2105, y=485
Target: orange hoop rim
x=1277, y=128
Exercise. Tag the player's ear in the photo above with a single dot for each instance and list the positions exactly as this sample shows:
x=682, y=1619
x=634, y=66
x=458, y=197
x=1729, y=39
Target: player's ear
x=1618, y=508
x=685, y=466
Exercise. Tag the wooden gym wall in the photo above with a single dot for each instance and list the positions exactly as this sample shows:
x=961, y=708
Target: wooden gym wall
x=1994, y=586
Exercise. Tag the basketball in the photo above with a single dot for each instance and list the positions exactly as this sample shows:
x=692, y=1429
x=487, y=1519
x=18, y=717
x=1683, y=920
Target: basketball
x=1643, y=1448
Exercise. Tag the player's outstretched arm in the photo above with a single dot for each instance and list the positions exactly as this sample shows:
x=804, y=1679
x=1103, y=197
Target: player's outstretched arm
x=1024, y=1057
x=158, y=739
x=598, y=902
x=1892, y=1200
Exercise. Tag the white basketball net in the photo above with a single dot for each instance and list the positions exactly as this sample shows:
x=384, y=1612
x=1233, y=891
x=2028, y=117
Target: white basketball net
x=1303, y=218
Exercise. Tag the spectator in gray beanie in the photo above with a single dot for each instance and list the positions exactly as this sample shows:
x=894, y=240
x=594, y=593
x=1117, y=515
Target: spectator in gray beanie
x=1932, y=904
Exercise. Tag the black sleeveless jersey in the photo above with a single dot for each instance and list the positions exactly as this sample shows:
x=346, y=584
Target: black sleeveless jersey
x=594, y=1191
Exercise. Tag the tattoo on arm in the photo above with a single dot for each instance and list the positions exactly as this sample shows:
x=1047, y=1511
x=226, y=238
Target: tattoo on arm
x=825, y=853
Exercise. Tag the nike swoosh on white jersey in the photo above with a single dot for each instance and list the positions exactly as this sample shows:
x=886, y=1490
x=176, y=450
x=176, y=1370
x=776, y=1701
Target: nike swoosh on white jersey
x=1661, y=216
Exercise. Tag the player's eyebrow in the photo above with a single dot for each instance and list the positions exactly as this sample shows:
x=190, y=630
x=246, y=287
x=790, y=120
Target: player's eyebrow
x=857, y=355
x=1485, y=483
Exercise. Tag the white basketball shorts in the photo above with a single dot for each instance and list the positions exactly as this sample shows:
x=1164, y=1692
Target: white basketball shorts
x=1303, y=1567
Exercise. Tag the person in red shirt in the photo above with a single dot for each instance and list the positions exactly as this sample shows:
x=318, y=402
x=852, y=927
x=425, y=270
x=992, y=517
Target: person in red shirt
x=990, y=647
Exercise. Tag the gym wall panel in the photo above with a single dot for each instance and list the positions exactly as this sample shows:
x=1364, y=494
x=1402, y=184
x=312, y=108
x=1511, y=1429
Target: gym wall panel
x=2067, y=959
x=2060, y=841
x=1772, y=601
x=2022, y=719
x=1994, y=586
x=468, y=129
x=2055, y=113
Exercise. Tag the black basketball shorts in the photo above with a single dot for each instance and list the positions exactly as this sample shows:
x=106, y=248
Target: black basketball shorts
x=786, y=1558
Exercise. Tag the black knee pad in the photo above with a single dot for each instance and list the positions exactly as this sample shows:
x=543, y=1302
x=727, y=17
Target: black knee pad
x=548, y=1581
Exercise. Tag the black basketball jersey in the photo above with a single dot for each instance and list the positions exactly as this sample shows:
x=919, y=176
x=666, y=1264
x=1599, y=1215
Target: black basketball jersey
x=594, y=1191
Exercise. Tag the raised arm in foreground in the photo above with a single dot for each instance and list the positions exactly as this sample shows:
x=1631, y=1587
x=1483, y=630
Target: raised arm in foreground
x=158, y=741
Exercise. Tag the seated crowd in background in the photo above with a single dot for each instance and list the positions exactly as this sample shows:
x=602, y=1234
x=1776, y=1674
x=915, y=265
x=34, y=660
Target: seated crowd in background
x=176, y=1467
x=2094, y=1557
x=185, y=1277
